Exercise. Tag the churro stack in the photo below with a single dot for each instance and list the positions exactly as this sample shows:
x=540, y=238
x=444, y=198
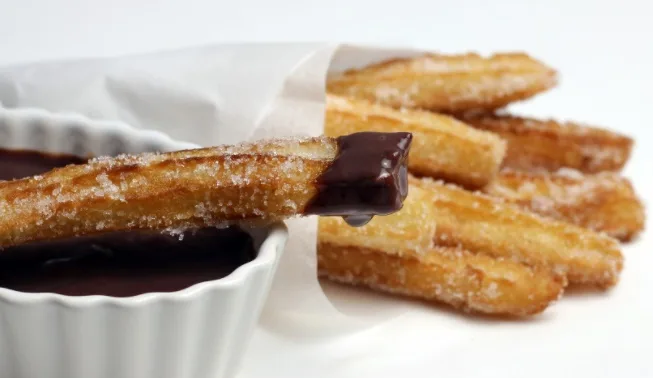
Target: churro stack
x=503, y=212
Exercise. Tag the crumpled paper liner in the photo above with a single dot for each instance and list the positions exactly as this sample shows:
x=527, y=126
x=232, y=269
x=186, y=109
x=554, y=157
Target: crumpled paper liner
x=221, y=94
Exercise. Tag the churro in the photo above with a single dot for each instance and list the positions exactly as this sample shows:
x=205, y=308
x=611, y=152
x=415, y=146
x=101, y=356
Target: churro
x=447, y=83
x=397, y=254
x=443, y=147
x=355, y=176
x=604, y=202
x=548, y=145
x=480, y=223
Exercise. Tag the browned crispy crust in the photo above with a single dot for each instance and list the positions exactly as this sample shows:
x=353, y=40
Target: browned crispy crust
x=463, y=280
x=480, y=223
x=443, y=147
x=253, y=182
x=448, y=83
x=550, y=145
x=397, y=254
x=604, y=202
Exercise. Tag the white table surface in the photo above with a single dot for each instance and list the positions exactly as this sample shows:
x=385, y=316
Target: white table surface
x=603, y=51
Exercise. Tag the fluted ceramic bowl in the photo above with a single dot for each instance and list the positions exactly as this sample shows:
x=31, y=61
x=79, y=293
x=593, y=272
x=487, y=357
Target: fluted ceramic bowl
x=198, y=332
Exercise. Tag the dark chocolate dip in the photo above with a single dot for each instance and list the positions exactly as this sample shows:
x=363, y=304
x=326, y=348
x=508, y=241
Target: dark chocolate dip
x=118, y=264
x=368, y=177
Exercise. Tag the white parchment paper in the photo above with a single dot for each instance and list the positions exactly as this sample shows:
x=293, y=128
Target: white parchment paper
x=210, y=95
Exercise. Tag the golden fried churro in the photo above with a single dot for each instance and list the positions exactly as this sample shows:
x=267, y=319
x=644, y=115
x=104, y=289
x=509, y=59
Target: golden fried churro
x=549, y=145
x=448, y=83
x=355, y=176
x=411, y=228
x=396, y=254
x=480, y=223
x=442, y=146
x=471, y=282
x=602, y=202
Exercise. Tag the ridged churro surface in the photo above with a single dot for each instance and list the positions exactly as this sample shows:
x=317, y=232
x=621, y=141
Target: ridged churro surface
x=398, y=254
x=448, y=83
x=482, y=224
x=443, y=147
x=467, y=281
x=186, y=189
x=604, y=202
x=548, y=145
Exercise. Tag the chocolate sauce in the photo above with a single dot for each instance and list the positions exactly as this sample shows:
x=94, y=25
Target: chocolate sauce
x=368, y=177
x=118, y=264
x=125, y=264
x=19, y=164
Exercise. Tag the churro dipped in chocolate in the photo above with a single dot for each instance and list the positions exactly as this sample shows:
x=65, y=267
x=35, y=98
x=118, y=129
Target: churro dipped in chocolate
x=443, y=147
x=355, y=176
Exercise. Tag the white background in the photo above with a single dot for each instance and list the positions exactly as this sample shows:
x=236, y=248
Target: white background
x=605, y=56
x=601, y=47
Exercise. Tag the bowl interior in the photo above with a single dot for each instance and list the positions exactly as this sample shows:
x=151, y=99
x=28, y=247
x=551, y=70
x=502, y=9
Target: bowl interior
x=36, y=130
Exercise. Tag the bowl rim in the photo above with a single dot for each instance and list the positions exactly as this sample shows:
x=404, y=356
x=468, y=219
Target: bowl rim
x=272, y=244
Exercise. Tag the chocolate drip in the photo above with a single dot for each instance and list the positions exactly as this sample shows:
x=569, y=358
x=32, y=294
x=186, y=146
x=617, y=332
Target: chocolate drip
x=368, y=177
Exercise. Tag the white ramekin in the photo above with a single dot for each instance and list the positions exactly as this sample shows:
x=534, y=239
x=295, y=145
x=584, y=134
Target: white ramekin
x=199, y=332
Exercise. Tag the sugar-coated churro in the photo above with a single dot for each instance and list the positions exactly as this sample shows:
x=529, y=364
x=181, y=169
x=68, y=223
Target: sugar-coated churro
x=356, y=176
x=447, y=83
x=471, y=282
x=443, y=147
x=548, y=145
x=604, y=202
x=480, y=223
x=397, y=254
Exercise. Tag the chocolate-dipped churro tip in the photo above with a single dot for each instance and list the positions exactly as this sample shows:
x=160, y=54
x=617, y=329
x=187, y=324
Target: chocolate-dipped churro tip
x=368, y=177
x=355, y=176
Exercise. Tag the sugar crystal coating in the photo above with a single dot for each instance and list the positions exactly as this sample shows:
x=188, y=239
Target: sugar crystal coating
x=447, y=83
x=604, y=202
x=253, y=182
